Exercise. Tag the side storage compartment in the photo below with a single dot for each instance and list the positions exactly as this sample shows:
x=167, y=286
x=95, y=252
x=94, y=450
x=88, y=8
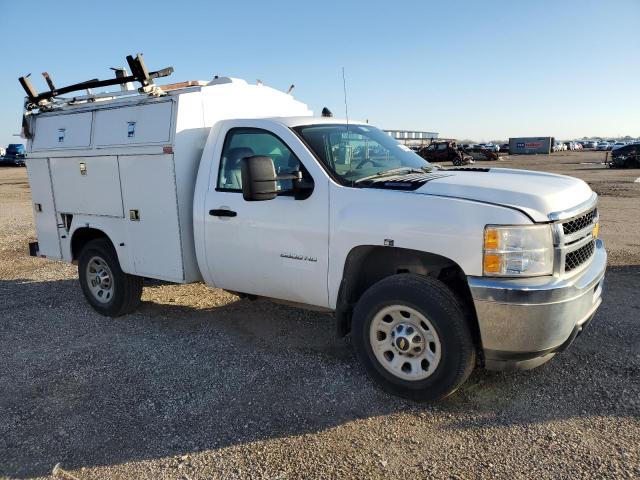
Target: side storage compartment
x=89, y=185
x=151, y=213
x=44, y=212
x=139, y=124
x=70, y=130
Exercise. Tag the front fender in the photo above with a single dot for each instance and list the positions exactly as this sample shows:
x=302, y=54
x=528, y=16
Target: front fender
x=449, y=227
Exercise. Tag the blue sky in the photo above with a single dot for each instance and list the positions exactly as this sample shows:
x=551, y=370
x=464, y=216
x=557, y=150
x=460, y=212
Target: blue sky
x=467, y=69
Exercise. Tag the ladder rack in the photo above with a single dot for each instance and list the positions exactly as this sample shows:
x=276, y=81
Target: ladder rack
x=139, y=73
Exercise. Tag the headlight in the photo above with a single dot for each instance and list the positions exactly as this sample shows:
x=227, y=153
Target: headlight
x=522, y=251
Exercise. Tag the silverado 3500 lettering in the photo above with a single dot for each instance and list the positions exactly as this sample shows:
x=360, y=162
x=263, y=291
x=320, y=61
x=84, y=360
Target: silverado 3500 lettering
x=431, y=272
x=298, y=257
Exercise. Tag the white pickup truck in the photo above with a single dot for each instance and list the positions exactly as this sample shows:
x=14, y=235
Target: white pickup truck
x=431, y=271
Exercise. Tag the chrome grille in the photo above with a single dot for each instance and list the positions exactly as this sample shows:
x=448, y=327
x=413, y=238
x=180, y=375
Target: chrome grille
x=580, y=223
x=573, y=234
x=576, y=258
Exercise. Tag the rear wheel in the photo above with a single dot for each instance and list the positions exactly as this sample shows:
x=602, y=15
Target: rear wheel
x=107, y=288
x=411, y=335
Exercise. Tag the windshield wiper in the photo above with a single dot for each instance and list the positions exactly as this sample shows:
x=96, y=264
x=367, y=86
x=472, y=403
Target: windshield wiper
x=393, y=171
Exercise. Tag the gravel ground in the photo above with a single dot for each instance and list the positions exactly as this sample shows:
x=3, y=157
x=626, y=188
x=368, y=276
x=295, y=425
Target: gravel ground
x=200, y=384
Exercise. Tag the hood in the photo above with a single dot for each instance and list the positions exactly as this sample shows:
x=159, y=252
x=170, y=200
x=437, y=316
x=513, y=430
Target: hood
x=536, y=193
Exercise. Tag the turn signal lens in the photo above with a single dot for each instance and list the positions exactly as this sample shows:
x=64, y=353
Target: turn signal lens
x=491, y=239
x=596, y=230
x=492, y=264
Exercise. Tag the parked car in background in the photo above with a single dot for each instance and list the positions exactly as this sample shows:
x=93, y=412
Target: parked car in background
x=492, y=147
x=618, y=145
x=589, y=144
x=558, y=147
x=603, y=147
x=2, y=151
x=481, y=153
x=627, y=156
x=445, y=152
x=504, y=147
x=14, y=155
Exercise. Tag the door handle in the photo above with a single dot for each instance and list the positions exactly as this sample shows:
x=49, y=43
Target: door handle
x=222, y=213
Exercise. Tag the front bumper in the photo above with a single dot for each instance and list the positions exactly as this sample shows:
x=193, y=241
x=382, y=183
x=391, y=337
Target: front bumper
x=524, y=322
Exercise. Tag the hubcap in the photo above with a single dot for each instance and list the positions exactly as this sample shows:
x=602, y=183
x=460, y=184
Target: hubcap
x=407, y=339
x=100, y=279
x=405, y=342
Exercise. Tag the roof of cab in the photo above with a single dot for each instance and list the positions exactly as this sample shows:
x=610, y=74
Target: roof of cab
x=301, y=121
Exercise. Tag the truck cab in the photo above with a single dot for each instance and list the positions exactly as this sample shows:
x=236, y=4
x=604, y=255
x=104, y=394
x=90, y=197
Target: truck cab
x=14, y=154
x=431, y=271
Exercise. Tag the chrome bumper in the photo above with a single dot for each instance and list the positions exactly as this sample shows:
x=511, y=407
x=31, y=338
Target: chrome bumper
x=524, y=322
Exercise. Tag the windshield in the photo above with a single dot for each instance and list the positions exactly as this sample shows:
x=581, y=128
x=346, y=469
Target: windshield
x=354, y=152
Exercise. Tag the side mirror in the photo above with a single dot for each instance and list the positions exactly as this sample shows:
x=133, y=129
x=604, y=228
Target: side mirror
x=258, y=178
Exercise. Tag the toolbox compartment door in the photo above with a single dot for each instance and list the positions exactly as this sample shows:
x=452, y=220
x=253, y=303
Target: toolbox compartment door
x=69, y=130
x=138, y=124
x=151, y=216
x=89, y=185
x=44, y=212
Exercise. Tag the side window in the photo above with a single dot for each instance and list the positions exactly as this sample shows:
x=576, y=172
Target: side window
x=442, y=146
x=246, y=142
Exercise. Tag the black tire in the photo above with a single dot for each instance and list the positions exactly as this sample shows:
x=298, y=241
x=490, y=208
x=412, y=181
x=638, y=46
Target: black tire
x=436, y=302
x=632, y=162
x=127, y=289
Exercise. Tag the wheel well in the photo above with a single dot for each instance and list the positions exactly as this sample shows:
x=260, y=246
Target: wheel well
x=81, y=237
x=367, y=265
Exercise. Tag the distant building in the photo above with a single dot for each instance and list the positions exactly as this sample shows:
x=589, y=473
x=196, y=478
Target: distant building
x=413, y=137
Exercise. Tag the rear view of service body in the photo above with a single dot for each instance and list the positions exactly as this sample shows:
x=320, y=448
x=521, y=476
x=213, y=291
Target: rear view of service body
x=431, y=271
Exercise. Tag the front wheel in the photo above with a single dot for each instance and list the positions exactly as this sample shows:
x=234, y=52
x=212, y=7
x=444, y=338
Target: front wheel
x=411, y=335
x=107, y=288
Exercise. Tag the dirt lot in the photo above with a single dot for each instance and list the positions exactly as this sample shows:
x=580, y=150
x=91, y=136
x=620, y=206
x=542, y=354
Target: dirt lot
x=199, y=384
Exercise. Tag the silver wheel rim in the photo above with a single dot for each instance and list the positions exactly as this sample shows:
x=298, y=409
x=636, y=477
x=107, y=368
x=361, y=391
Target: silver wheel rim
x=100, y=279
x=405, y=342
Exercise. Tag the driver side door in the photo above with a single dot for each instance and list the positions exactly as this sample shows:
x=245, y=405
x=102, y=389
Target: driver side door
x=274, y=248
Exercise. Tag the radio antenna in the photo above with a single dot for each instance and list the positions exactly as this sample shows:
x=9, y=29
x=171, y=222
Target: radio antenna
x=346, y=106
